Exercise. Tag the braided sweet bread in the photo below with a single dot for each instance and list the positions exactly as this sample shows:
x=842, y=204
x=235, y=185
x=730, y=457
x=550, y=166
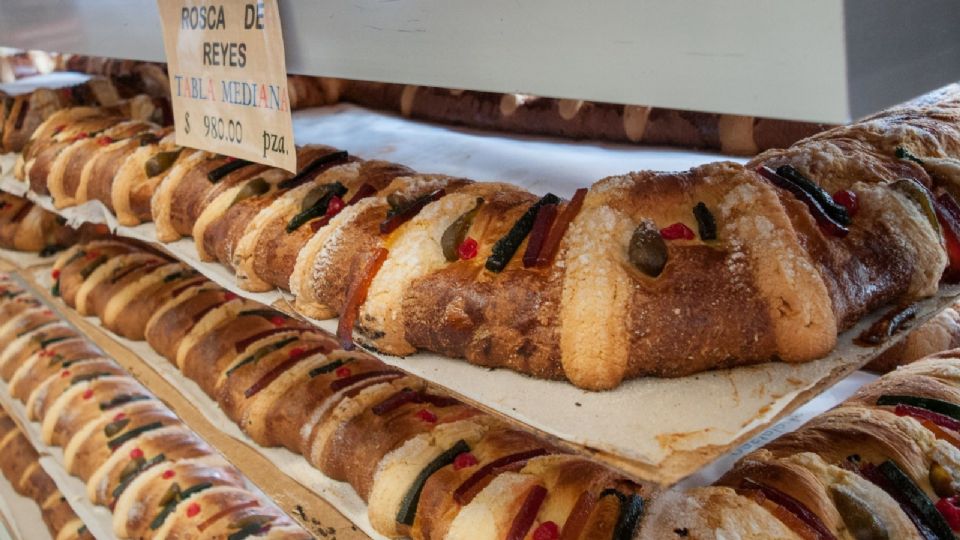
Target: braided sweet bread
x=502, y=277
x=135, y=456
x=884, y=464
x=21, y=467
x=428, y=465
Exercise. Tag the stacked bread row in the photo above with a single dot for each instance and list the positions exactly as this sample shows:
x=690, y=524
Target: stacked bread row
x=17, y=64
x=515, y=113
x=428, y=465
x=21, y=467
x=21, y=114
x=940, y=333
x=574, y=118
x=25, y=226
x=617, y=282
x=136, y=457
x=884, y=464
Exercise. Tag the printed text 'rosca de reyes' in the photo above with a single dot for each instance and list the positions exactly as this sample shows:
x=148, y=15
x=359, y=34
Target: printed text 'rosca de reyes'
x=228, y=79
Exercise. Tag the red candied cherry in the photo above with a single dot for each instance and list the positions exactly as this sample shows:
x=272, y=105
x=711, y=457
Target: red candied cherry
x=119, y=416
x=136, y=453
x=87, y=394
x=65, y=374
x=334, y=207
x=231, y=159
x=677, y=231
x=168, y=474
x=297, y=352
x=91, y=255
x=342, y=372
x=193, y=509
x=950, y=512
x=547, y=530
x=55, y=274
x=464, y=460
x=48, y=312
x=59, y=128
x=278, y=320
x=848, y=200
x=104, y=140
x=229, y=295
x=426, y=415
x=467, y=249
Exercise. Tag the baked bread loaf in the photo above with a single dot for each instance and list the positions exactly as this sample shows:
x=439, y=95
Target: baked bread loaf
x=21, y=467
x=573, y=118
x=504, y=278
x=383, y=265
x=25, y=226
x=429, y=465
x=135, y=456
x=940, y=333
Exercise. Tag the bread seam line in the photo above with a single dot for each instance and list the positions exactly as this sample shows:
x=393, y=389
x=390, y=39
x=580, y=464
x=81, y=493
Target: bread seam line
x=681, y=453
x=202, y=415
x=22, y=515
x=99, y=520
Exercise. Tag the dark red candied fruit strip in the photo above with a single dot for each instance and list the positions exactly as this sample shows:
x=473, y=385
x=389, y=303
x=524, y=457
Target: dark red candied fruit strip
x=827, y=223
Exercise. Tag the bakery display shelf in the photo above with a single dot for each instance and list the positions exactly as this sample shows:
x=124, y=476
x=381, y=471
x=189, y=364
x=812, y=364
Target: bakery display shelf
x=98, y=519
x=756, y=58
x=664, y=429
x=325, y=508
x=20, y=517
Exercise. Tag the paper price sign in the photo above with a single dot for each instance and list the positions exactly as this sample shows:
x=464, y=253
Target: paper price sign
x=228, y=78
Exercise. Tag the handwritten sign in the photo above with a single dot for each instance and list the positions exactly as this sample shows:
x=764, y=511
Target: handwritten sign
x=228, y=78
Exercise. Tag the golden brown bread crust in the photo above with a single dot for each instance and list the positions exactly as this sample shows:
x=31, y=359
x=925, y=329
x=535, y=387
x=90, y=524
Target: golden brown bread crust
x=102, y=168
x=66, y=173
x=576, y=119
x=438, y=506
x=275, y=252
x=216, y=350
x=358, y=445
x=789, y=478
x=128, y=311
x=940, y=333
x=168, y=327
x=29, y=343
x=81, y=403
x=139, y=504
x=174, y=441
x=912, y=384
x=872, y=435
x=75, y=265
x=708, y=513
x=357, y=235
x=58, y=383
x=756, y=269
x=190, y=194
x=234, y=383
x=40, y=164
x=127, y=272
x=282, y=423
x=93, y=451
x=42, y=364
